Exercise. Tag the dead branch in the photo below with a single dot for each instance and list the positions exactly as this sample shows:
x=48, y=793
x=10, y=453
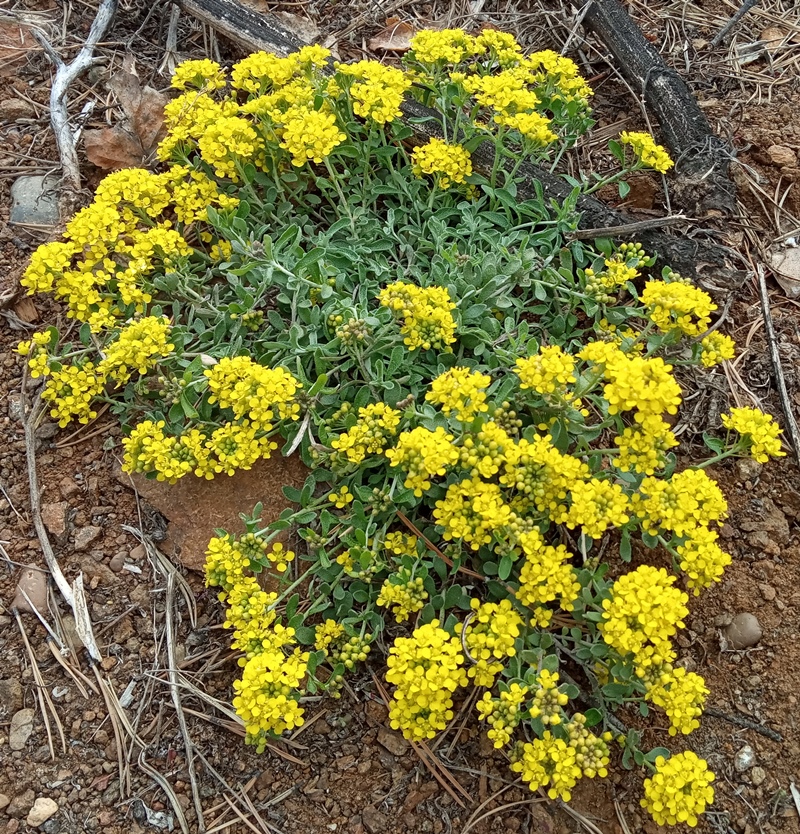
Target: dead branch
x=702, y=184
x=65, y=75
x=777, y=367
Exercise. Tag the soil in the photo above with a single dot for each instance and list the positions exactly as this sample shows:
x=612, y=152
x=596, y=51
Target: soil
x=343, y=771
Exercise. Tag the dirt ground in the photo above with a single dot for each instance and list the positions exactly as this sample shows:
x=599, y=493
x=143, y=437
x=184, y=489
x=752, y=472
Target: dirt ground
x=344, y=771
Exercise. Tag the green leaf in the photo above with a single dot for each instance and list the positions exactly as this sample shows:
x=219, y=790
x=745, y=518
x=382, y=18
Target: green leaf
x=716, y=444
x=656, y=752
x=506, y=565
x=625, y=546
x=593, y=717
x=624, y=189
x=616, y=690
x=291, y=494
x=305, y=635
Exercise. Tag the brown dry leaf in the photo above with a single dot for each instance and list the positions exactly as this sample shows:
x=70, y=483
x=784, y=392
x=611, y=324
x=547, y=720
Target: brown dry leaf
x=132, y=141
x=773, y=39
x=26, y=310
x=785, y=265
x=15, y=41
x=395, y=37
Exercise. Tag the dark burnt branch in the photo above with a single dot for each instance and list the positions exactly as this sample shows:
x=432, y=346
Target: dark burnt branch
x=702, y=185
x=714, y=267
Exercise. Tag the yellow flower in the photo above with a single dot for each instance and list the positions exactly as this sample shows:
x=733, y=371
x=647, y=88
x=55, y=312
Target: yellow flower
x=427, y=320
x=472, y=510
x=379, y=90
x=643, y=446
x=310, y=135
x=716, y=348
x=674, y=305
x=548, y=761
x=490, y=638
x=649, y=154
x=376, y=424
x=202, y=74
x=450, y=164
x=547, y=371
x=71, y=391
x=138, y=348
x=596, y=506
x=702, y=559
x=682, y=696
x=759, y=431
x=403, y=594
x=227, y=143
x=546, y=576
x=423, y=454
x=503, y=714
x=341, y=498
x=680, y=789
x=460, y=392
x=447, y=45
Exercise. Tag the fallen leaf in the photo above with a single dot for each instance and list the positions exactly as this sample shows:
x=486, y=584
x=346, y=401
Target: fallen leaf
x=774, y=39
x=131, y=142
x=101, y=782
x=396, y=37
x=785, y=264
x=26, y=310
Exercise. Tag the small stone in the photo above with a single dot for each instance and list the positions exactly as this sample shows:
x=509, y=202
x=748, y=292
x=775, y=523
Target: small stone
x=12, y=109
x=138, y=553
x=744, y=759
x=723, y=620
x=118, y=561
x=21, y=729
x=779, y=155
x=10, y=698
x=34, y=583
x=747, y=469
x=69, y=488
x=744, y=631
x=374, y=821
x=34, y=200
x=767, y=591
x=54, y=516
x=4, y=801
x=393, y=742
x=87, y=536
x=47, y=430
x=758, y=775
x=42, y=810
x=21, y=804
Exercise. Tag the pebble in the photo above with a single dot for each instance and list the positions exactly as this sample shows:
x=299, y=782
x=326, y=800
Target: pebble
x=54, y=516
x=34, y=200
x=12, y=109
x=87, y=536
x=34, y=583
x=117, y=561
x=10, y=697
x=374, y=821
x=758, y=775
x=21, y=804
x=4, y=801
x=779, y=155
x=744, y=631
x=744, y=759
x=747, y=469
x=21, y=729
x=42, y=810
x=393, y=742
x=767, y=591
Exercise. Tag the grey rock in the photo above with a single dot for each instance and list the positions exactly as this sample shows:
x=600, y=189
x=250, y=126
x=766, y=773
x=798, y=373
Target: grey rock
x=744, y=759
x=87, y=536
x=118, y=561
x=744, y=631
x=747, y=469
x=21, y=729
x=10, y=698
x=34, y=200
x=21, y=804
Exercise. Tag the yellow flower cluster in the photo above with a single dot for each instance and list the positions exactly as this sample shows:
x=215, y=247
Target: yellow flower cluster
x=472, y=510
x=460, y=392
x=547, y=371
x=547, y=700
x=449, y=46
x=251, y=391
x=202, y=74
x=644, y=610
x=759, y=431
x=425, y=312
x=187, y=118
x=138, y=348
x=597, y=505
x=548, y=762
x=546, y=576
x=643, y=384
x=649, y=154
x=423, y=454
x=716, y=348
x=375, y=425
x=702, y=559
x=37, y=350
x=682, y=696
x=379, y=90
x=503, y=713
x=490, y=638
x=226, y=144
x=450, y=163
x=680, y=789
x=400, y=544
x=403, y=594
x=71, y=390
x=591, y=752
x=677, y=306
x=225, y=565
x=341, y=498
x=486, y=451
x=643, y=446
x=311, y=135
x=559, y=76
x=425, y=669
x=688, y=500
x=261, y=699
x=340, y=647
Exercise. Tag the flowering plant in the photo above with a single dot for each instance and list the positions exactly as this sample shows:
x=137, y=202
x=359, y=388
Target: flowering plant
x=487, y=405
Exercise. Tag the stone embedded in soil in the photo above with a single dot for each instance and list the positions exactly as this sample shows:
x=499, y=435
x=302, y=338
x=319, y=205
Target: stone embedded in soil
x=54, y=516
x=196, y=507
x=744, y=759
x=781, y=155
x=4, y=801
x=744, y=631
x=758, y=775
x=117, y=561
x=42, y=810
x=34, y=200
x=392, y=741
x=87, y=536
x=374, y=821
x=21, y=804
x=33, y=582
x=10, y=697
x=12, y=109
x=747, y=469
x=21, y=728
